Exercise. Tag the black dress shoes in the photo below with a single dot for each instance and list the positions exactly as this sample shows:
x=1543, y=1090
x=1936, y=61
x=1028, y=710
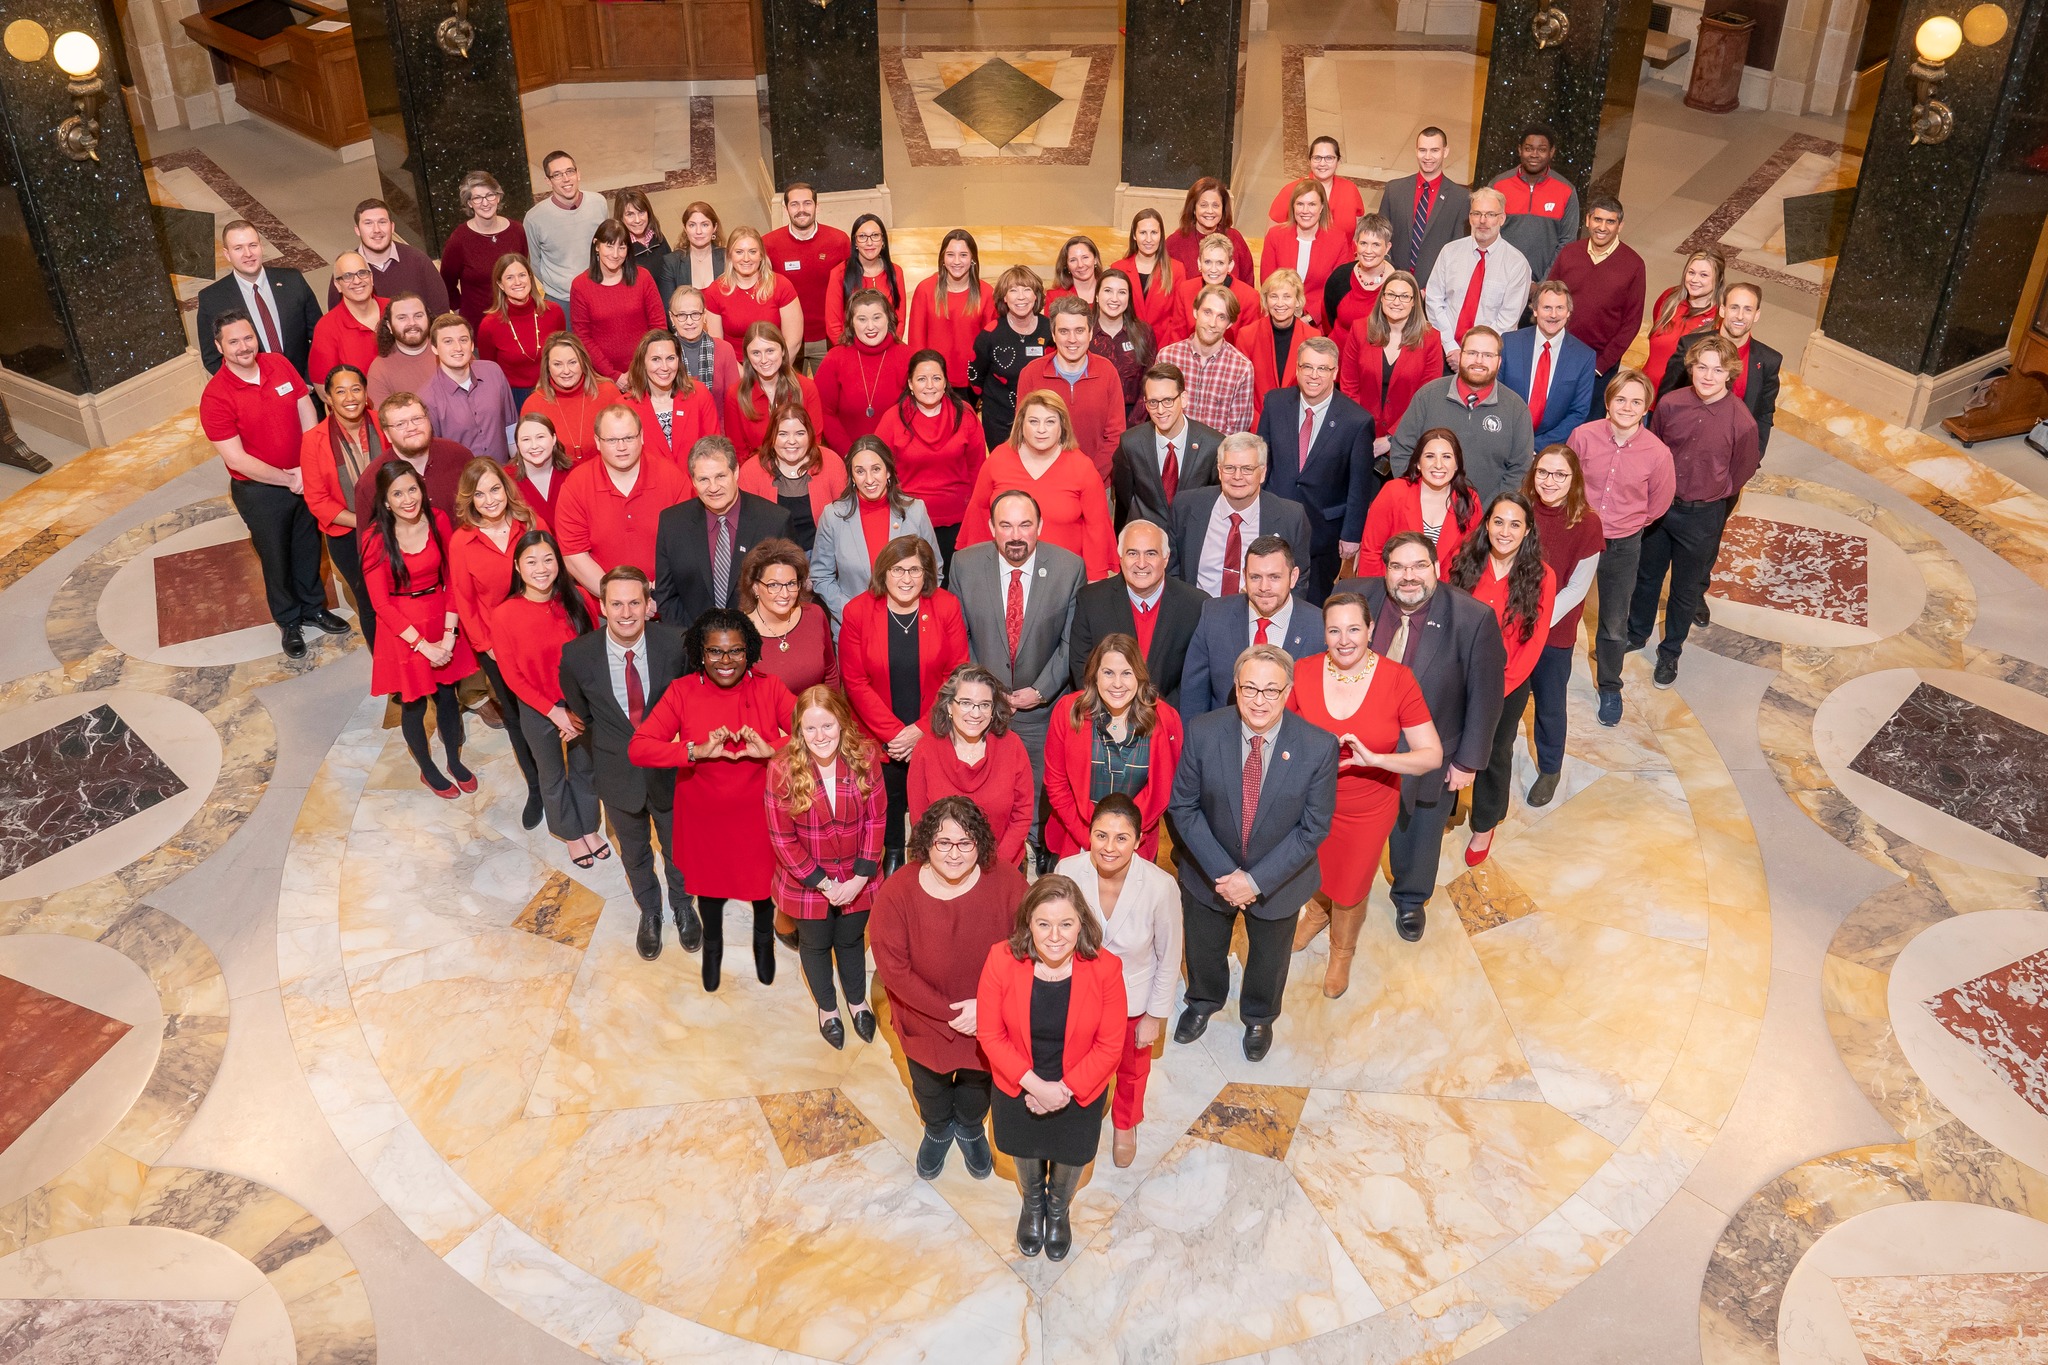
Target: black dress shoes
x=834, y=1032
x=974, y=1150
x=325, y=620
x=689, y=927
x=1193, y=1023
x=892, y=862
x=294, y=642
x=1258, y=1041
x=649, y=942
x=864, y=1024
x=1408, y=922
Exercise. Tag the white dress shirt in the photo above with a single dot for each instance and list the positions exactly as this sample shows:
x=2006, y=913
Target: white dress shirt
x=1178, y=440
x=1317, y=415
x=1502, y=295
x=1209, y=572
x=1144, y=931
x=615, y=655
x=1276, y=634
x=251, y=290
x=1029, y=568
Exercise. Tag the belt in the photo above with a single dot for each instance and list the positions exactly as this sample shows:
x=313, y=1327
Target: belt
x=1697, y=502
x=419, y=592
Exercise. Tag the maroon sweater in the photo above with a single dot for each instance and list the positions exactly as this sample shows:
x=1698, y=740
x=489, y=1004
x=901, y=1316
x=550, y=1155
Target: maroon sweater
x=1607, y=299
x=1564, y=549
x=610, y=319
x=929, y=954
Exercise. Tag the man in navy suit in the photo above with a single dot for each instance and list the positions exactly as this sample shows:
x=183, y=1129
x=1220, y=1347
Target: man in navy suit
x=1266, y=613
x=1552, y=369
x=1252, y=802
x=1319, y=447
x=1210, y=527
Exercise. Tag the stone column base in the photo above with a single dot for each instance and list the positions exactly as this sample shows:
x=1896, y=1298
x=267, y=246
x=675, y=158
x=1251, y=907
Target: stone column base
x=99, y=419
x=1130, y=198
x=1886, y=391
x=838, y=208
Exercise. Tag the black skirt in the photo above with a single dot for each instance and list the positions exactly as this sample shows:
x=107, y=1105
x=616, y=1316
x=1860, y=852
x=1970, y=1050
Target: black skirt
x=1069, y=1136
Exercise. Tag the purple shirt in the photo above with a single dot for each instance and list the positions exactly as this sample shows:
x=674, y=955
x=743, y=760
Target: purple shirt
x=476, y=416
x=1630, y=485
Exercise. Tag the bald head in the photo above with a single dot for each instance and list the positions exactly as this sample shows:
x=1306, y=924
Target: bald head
x=1141, y=549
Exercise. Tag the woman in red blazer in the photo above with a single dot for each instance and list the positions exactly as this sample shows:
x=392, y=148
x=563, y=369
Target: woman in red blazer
x=332, y=456
x=1259, y=339
x=1050, y=1017
x=792, y=452
x=1328, y=249
x=658, y=386
x=1114, y=735
x=1432, y=496
x=1388, y=355
x=904, y=615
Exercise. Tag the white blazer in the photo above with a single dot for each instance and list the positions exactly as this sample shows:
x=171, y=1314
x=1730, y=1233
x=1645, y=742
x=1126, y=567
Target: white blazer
x=840, y=559
x=1144, y=932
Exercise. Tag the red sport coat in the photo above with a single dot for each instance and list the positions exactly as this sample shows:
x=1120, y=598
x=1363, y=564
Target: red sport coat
x=864, y=657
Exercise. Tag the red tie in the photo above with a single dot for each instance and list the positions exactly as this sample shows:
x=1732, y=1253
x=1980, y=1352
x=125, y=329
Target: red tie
x=1308, y=431
x=1233, y=556
x=1259, y=631
x=1169, y=477
x=1254, y=768
x=1469, y=314
x=1013, y=612
x=268, y=320
x=636, y=695
x=1539, y=389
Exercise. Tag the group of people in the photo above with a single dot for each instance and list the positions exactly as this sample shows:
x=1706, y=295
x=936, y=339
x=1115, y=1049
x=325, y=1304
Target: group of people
x=856, y=602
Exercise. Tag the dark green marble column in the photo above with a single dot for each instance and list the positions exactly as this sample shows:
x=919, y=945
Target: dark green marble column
x=88, y=293
x=1183, y=90
x=1584, y=87
x=824, y=94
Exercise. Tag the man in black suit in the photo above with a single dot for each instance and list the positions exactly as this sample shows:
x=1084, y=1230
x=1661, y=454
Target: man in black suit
x=698, y=545
x=1266, y=613
x=1155, y=462
x=276, y=298
x=611, y=679
x=1252, y=802
x=1329, y=471
x=1141, y=601
x=1756, y=383
x=1451, y=642
x=1210, y=527
x=1442, y=205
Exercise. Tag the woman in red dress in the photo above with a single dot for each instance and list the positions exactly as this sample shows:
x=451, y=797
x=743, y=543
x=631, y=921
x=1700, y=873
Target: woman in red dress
x=674, y=409
x=938, y=447
x=1372, y=705
x=530, y=627
x=1308, y=245
x=1390, y=355
x=420, y=651
x=825, y=806
x=490, y=517
x=719, y=727
x=864, y=373
x=972, y=752
x=1114, y=735
x=1432, y=496
x=952, y=308
x=570, y=394
x=1694, y=302
x=768, y=380
x=517, y=325
x=1504, y=568
x=1041, y=459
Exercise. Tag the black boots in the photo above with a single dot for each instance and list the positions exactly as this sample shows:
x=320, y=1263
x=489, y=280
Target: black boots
x=712, y=912
x=1031, y=1223
x=1059, y=1205
x=931, y=1153
x=974, y=1149
x=764, y=942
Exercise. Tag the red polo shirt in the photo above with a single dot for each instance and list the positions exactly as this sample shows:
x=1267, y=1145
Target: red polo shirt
x=807, y=265
x=1546, y=198
x=338, y=339
x=264, y=414
x=592, y=517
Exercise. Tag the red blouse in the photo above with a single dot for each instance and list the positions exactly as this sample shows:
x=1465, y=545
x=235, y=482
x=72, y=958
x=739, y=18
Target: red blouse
x=937, y=458
x=480, y=574
x=951, y=335
x=737, y=310
x=530, y=637
x=1522, y=654
x=1073, y=508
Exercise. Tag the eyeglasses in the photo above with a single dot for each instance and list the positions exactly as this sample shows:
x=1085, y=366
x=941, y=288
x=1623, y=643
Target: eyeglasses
x=351, y=276
x=1156, y=404
x=973, y=708
x=953, y=846
x=790, y=586
x=739, y=652
x=911, y=570
x=1553, y=476
x=1266, y=694
x=618, y=442
x=687, y=317
x=486, y=196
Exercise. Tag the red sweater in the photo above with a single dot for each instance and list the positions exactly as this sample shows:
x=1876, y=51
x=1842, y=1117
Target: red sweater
x=807, y=265
x=1607, y=299
x=747, y=431
x=1000, y=785
x=575, y=416
x=610, y=319
x=857, y=384
x=1522, y=654
x=1072, y=505
x=467, y=261
x=1095, y=403
x=530, y=637
x=952, y=335
x=514, y=341
x=1564, y=549
x=835, y=299
x=937, y=458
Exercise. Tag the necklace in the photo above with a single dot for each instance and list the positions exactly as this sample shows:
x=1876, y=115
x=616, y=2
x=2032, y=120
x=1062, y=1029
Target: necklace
x=867, y=388
x=513, y=327
x=1338, y=675
x=782, y=640
x=903, y=622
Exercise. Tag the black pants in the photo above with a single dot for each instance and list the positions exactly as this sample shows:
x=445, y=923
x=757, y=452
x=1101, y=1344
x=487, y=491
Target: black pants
x=896, y=784
x=509, y=707
x=841, y=938
x=712, y=908
x=634, y=832
x=347, y=555
x=949, y=536
x=1414, y=847
x=1615, y=579
x=1684, y=542
x=412, y=723
x=565, y=795
x=287, y=542
x=957, y=1097
x=1270, y=944
x=1491, y=788
x=1548, y=687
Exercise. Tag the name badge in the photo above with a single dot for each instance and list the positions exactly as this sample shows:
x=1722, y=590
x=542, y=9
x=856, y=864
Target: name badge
x=284, y=390
x=1034, y=350
x=1129, y=347
x=792, y=265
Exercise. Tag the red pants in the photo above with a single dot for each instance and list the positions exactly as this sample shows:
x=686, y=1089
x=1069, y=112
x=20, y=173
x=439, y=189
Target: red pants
x=1127, y=1107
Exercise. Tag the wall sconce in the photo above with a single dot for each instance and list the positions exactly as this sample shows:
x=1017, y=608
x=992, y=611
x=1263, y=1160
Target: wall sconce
x=1937, y=40
x=78, y=57
x=1550, y=26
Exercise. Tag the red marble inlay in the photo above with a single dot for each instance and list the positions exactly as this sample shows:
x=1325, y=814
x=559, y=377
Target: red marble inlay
x=1824, y=575
x=46, y=1044
x=2003, y=1017
x=1982, y=1318
x=211, y=591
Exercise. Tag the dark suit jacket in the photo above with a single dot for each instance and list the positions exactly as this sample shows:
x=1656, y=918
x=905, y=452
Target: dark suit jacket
x=682, y=555
x=1278, y=516
x=297, y=311
x=1570, y=401
x=1297, y=798
x=1338, y=483
x=1223, y=633
x=1449, y=219
x=1104, y=609
x=1461, y=664
x=1134, y=469
x=587, y=692
x=1760, y=387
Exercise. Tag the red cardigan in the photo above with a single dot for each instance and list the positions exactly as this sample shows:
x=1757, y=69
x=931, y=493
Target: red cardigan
x=1096, y=404
x=854, y=381
x=1399, y=508
x=864, y=657
x=1255, y=340
x=1096, y=1022
x=1330, y=250
x=695, y=415
x=610, y=319
x=1068, y=753
x=747, y=431
x=1359, y=376
x=1522, y=654
x=952, y=336
x=1155, y=306
x=826, y=485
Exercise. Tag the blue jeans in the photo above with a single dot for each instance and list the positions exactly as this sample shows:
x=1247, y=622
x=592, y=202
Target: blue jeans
x=1547, y=686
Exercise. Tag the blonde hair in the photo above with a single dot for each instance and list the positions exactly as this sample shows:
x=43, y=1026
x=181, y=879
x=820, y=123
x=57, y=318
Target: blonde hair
x=1043, y=398
x=1310, y=185
x=1282, y=276
x=765, y=290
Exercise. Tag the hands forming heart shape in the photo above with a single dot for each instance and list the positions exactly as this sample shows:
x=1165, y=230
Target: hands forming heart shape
x=1352, y=753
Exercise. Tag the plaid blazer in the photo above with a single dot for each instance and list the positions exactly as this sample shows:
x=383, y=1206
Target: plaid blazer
x=825, y=841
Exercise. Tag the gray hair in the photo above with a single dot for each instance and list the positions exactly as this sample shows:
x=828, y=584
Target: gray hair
x=1134, y=524
x=715, y=448
x=1325, y=347
x=1500, y=200
x=1244, y=440
x=478, y=180
x=949, y=690
x=1268, y=654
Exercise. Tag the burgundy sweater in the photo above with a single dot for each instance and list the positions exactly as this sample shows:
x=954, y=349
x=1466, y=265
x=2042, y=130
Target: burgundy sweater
x=610, y=319
x=1607, y=299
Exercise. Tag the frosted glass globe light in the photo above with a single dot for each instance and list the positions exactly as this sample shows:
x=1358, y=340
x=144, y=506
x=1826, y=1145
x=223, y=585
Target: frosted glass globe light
x=78, y=56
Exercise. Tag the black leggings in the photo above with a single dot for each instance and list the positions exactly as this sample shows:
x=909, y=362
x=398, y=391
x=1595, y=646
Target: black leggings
x=896, y=783
x=948, y=537
x=1492, y=788
x=412, y=723
x=711, y=909
x=841, y=937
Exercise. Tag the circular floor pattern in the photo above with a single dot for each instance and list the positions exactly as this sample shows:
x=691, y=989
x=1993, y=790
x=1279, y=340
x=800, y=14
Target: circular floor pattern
x=1480, y=1123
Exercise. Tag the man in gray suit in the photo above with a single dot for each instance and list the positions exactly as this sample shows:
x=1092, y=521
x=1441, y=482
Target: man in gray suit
x=1210, y=527
x=1267, y=612
x=1018, y=597
x=1440, y=204
x=1251, y=805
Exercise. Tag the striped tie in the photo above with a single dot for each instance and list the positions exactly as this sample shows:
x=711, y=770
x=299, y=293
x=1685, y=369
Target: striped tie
x=1425, y=201
x=721, y=563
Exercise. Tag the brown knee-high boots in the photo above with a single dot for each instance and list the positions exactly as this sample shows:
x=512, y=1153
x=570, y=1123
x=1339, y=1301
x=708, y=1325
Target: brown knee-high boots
x=1345, y=924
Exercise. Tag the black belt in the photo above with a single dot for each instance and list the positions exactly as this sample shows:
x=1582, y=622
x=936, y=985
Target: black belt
x=419, y=592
